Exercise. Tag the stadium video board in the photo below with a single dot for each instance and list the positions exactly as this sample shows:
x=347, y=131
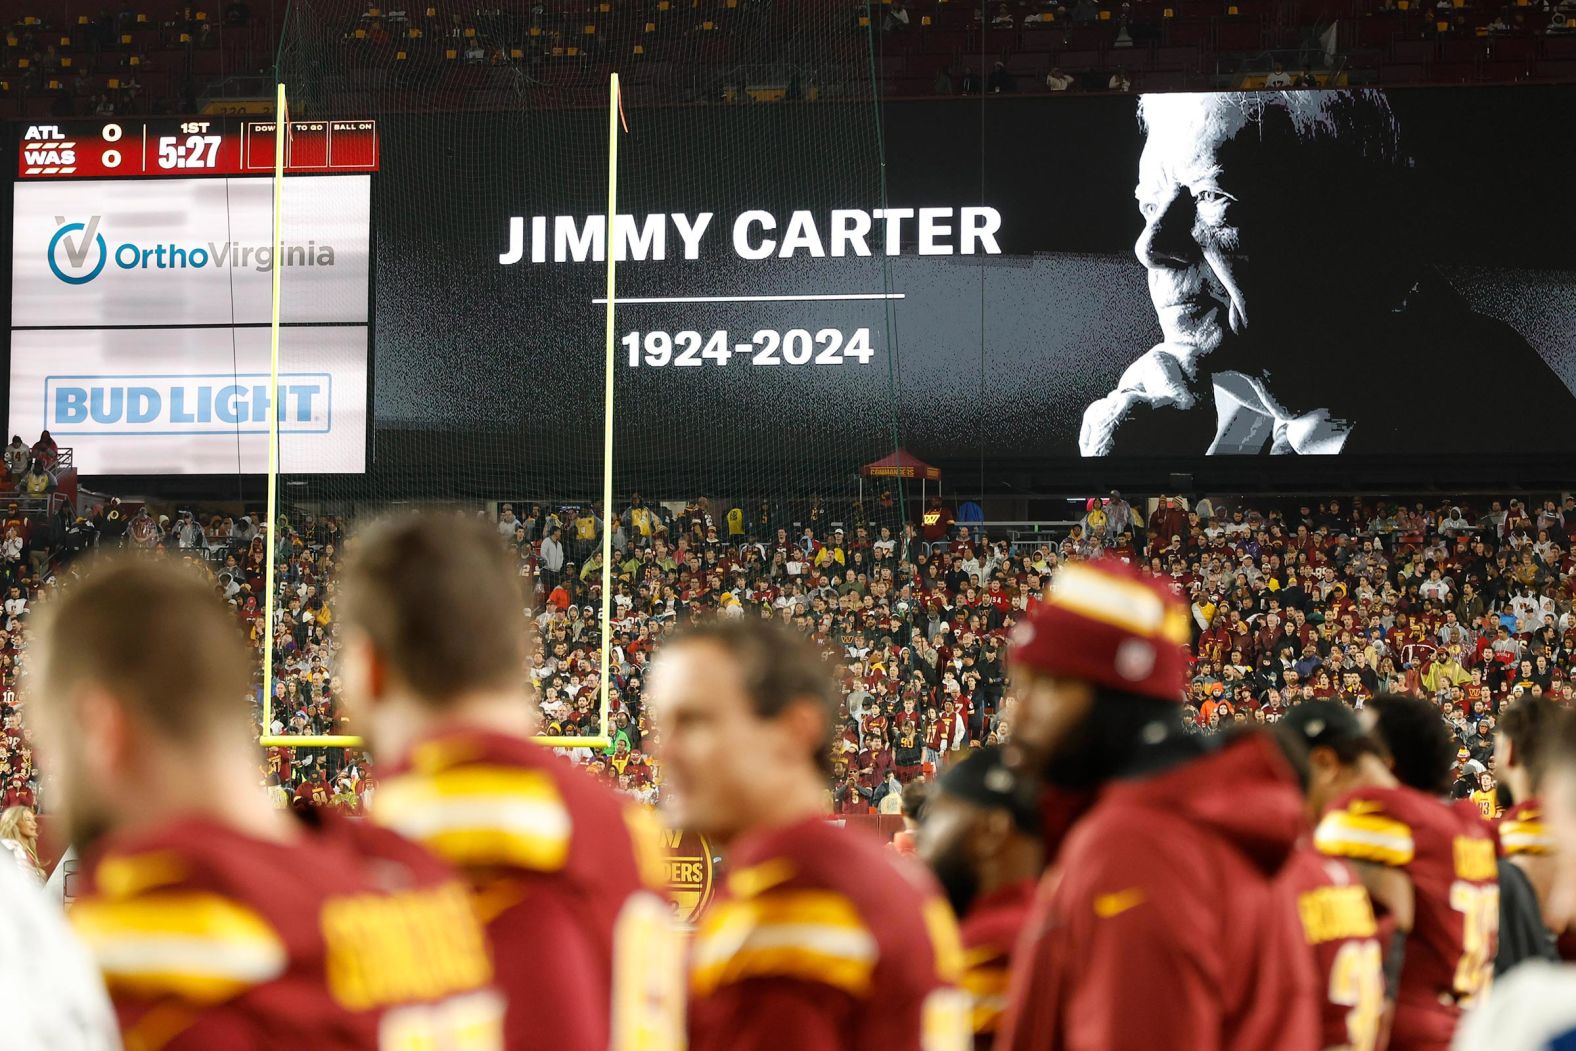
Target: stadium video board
x=142, y=269
x=1160, y=278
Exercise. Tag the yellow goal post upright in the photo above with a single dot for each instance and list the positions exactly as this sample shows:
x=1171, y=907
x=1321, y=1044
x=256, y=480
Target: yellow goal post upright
x=602, y=740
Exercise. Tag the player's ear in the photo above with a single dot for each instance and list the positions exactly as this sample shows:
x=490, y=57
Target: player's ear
x=806, y=722
x=108, y=735
x=364, y=671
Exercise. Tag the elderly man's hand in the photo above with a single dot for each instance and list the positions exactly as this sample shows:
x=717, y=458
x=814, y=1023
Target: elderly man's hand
x=1157, y=405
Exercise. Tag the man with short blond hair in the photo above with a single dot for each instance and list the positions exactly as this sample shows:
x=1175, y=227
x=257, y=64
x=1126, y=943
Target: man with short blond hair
x=217, y=920
x=566, y=874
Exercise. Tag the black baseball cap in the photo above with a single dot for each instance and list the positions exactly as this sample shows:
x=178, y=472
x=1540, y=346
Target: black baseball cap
x=1324, y=723
x=984, y=779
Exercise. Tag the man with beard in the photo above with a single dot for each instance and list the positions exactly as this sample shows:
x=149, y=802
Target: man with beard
x=979, y=831
x=1166, y=886
x=218, y=921
x=1278, y=340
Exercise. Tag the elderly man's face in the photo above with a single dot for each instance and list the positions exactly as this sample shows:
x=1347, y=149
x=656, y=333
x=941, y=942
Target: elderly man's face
x=1191, y=243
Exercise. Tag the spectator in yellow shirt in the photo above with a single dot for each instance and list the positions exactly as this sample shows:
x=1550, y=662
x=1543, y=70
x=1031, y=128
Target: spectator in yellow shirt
x=1486, y=798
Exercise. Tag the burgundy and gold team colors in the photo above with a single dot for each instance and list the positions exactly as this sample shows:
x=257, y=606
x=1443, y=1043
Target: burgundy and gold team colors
x=990, y=930
x=1338, y=923
x=1449, y=853
x=823, y=940
x=346, y=937
x=567, y=877
x=1164, y=923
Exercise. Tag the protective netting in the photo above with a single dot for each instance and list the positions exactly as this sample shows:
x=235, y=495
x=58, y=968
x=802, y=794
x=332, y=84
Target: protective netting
x=751, y=382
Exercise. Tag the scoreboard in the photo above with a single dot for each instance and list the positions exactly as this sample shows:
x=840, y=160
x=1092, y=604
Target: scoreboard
x=145, y=261
x=83, y=149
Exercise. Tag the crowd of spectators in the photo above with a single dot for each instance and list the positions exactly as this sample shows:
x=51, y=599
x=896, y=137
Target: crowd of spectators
x=1470, y=605
x=151, y=57
x=1467, y=603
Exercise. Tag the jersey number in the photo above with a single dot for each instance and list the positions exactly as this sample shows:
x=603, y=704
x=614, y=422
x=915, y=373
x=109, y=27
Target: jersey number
x=473, y=1022
x=1479, y=908
x=945, y=1023
x=648, y=977
x=1357, y=982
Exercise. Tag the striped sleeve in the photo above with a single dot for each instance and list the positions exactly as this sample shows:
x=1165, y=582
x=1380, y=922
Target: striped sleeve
x=1523, y=832
x=195, y=945
x=480, y=815
x=812, y=936
x=985, y=980
x=1361, y=831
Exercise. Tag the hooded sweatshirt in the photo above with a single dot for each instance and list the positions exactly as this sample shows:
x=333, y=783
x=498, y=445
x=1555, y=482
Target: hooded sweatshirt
x=1162, y=923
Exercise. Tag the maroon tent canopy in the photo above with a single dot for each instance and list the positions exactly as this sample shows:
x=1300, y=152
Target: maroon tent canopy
x=901, y=464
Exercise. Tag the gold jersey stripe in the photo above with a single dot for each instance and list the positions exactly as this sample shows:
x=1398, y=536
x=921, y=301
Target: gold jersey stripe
x=1365, y=837
x=813, y=935
x=1525, y=837
x=946, y=942
x=758, y=879
x=196, y=945
x=985, y=1013
x=986, y=981
x=838, y=962
x=480, y=815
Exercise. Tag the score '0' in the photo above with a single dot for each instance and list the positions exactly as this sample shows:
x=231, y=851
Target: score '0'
x=111, y=158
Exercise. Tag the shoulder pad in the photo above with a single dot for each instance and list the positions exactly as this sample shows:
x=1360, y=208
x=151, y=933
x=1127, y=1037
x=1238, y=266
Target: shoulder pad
x=480, y=815
x=153, y=933
x=1522, y=831
x=1365, y=827
x=808, y=935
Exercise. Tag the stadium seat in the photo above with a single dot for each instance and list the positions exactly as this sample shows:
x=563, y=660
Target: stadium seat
x=1401, y=73
x=1413, y=52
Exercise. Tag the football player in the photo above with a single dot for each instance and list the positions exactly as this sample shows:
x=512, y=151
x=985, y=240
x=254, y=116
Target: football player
x=566, y=874
x=218, y=921
x=1430, y=864
x=1336, y=912
x=821, y=939
x=1163, y=922
x=979, y=832
x=1527, y=731
x=1533, y=1008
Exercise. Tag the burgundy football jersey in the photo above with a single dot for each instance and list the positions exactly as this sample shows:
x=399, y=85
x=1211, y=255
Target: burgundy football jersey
x=1449, y=853
x=348, y=937
x=990, y=930
x=567, y=877
x=823, y=940
x=1338, y=923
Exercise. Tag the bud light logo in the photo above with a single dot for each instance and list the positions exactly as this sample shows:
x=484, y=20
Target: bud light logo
x=80, y=248
x=199, y=403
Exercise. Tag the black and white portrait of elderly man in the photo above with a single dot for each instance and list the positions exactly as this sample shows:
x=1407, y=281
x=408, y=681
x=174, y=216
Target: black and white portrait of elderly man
x=1295, y=311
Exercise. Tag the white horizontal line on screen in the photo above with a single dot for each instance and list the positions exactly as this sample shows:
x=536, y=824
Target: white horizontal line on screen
x=638, y=300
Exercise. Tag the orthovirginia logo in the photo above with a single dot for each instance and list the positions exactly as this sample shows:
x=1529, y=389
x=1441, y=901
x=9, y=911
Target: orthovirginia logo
x=78, y=253
x=88, y=243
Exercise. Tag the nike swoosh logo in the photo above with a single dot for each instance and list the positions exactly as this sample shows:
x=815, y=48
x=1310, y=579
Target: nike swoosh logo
x=1109, y=905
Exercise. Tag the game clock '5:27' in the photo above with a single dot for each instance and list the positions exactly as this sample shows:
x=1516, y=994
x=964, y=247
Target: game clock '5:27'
x=797, y=346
